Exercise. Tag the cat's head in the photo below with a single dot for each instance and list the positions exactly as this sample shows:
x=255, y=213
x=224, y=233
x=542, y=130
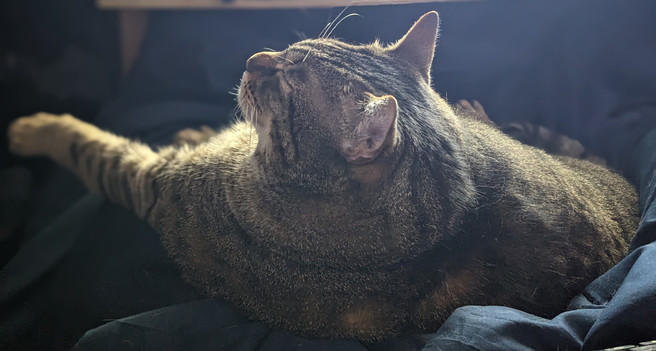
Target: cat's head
x=326, y=100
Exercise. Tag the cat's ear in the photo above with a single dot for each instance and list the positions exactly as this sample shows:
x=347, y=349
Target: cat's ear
x=375, y=130
x=418, y=45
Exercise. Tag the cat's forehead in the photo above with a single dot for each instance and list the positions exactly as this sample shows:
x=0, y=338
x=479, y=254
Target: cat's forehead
x=336, y=63
x=331, y=50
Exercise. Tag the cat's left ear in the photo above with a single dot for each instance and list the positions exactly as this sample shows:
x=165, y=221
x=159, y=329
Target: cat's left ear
x=374, y=132
x=418, y=45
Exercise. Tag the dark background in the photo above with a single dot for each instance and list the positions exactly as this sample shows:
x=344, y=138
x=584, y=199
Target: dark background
x=54, y=56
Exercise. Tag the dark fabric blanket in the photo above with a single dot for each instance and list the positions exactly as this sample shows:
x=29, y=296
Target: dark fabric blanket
x=93, y=277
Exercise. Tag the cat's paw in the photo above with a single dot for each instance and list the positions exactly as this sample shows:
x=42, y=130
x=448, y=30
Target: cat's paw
x=35, y=135
x=472, y=109
x=192, y=136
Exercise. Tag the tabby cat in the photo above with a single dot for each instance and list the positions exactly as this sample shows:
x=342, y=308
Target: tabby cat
x=354, y=202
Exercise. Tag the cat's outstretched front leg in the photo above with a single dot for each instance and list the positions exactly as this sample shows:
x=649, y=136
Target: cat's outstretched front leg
x=121, y=169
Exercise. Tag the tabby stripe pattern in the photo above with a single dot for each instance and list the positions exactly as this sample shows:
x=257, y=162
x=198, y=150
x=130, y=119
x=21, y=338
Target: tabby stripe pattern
x=120, y=169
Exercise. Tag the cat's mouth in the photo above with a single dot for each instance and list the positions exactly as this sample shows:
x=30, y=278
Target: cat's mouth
x=246, y=99
x=251, y=109
x=259, y=67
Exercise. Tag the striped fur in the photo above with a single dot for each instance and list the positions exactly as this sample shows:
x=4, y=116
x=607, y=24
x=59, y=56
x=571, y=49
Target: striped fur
x=441, y=211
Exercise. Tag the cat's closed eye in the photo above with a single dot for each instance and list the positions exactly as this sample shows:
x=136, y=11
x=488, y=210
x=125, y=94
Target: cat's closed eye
x=355, y=87
x=298, y=74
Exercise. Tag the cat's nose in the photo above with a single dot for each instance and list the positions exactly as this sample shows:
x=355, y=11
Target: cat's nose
x=263, y=62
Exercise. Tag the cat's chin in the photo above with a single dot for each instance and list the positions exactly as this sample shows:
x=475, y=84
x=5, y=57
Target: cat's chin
x=369, y=172
x=245, y=98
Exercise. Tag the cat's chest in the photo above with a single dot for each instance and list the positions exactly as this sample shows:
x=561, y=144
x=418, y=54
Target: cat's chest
x=339, y=228
x=337, y=216
x=329, y=219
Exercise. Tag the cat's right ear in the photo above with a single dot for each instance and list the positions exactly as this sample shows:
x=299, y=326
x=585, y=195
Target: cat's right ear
x=374, y=132
x=417, y=46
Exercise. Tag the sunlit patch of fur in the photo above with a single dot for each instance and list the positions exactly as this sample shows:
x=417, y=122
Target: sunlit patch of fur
x=247, y=110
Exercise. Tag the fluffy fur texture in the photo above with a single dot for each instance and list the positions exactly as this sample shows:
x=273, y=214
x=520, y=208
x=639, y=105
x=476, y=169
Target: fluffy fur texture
x=363, y=206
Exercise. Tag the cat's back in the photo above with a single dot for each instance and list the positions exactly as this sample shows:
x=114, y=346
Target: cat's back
x=562, y=183
x=558, y=219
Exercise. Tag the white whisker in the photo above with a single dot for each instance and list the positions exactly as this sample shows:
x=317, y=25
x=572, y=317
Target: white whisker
x=325, y=29
x=321, y=36
x=288, y=60
x=235, y=90
x=340, y=21
x=306, y=55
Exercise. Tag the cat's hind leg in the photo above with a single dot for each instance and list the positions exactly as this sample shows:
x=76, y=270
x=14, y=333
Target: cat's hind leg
x=529, y=133
x=548, y=140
